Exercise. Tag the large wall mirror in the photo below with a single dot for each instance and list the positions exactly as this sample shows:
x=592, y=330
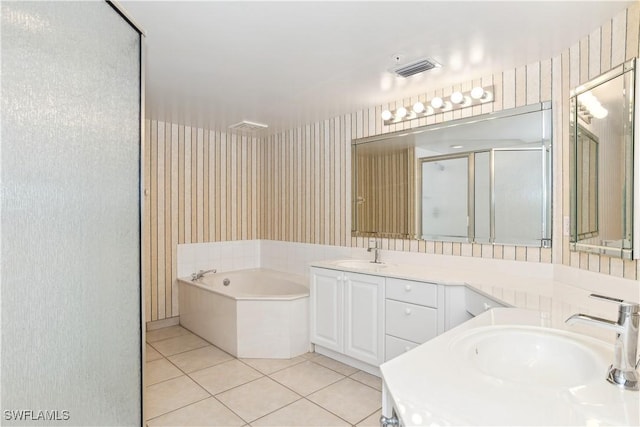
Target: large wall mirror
x=484, y=179
x=602, y=164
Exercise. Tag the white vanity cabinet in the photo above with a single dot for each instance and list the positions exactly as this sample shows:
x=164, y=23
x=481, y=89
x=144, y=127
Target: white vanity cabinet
x=347, y=313
x=413, y=314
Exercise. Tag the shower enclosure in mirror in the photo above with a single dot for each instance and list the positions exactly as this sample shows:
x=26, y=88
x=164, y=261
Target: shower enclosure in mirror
x=602, y=164
x=484, y=179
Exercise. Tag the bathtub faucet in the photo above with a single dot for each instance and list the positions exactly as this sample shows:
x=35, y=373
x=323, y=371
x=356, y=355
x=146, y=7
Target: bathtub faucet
x=623, y=372
x=201, y=273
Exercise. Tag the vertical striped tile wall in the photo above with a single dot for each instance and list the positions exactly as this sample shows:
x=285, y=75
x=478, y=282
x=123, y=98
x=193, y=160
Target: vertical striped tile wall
x=200, y=186
x=295, y=186
x=384, y=198
x=306, y=184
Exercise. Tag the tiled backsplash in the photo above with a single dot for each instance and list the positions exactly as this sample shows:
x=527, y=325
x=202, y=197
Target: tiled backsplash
x=243, y=254
x=223, y=256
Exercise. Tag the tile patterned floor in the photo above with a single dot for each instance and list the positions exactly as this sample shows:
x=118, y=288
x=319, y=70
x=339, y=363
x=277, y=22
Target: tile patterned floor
x=193, y=383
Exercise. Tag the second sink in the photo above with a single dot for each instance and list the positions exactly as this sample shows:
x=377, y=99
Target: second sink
x=533, y=356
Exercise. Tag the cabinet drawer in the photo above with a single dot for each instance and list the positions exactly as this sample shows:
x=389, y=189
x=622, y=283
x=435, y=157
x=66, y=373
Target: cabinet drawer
x=411, y=322
x=414, y=292
x=477, y=303
x=394, y=347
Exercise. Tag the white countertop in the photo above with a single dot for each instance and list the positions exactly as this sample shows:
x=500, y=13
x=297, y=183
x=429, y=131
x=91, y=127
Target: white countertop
x=557, y=290
x=429, y=387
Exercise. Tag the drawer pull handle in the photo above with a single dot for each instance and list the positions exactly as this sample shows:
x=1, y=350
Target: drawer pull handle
x=407, y=348
x=486, y=306
x=407, y=311
x=407, y=288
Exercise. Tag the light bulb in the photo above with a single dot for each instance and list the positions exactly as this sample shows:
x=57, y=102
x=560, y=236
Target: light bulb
x=401, y=112
x=437, y=102
x=457, y=97
x=477, y=92
x=386, y=115
x=418, y=107
x=599, y=112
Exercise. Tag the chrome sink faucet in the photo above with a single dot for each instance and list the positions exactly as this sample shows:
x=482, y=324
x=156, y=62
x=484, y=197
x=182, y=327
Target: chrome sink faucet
x=201, y=273
x=624, y=370
x=373, y=247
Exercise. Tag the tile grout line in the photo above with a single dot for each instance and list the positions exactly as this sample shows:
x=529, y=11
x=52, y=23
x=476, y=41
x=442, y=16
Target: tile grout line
x=321, y=388
x=276, y=410
x=177, y=409
x=328, y=410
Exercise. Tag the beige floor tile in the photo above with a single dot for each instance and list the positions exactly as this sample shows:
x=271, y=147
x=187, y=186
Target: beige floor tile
x=339, y=367
x=371, y=421
x=224, y=376
x=368, y=379
x=164, y=333
x=309, y=355
x=151, y=354
x=179, y=344
x=200, y=358
x=160, y=370
x=269, y=366
x=208, y=412
x=306, y=377
x=300, y=414
x=349, y=399
x=257, y=398
x=172, y=394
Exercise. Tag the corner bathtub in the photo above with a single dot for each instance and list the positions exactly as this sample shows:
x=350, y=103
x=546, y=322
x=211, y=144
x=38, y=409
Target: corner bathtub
x=260, y=314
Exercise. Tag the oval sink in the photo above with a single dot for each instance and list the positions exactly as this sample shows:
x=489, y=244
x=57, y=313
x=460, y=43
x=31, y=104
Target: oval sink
x=360, y=264
x=533, y=356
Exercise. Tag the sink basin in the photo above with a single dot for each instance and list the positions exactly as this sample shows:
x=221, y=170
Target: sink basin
x=532, y=356
x=360, y=264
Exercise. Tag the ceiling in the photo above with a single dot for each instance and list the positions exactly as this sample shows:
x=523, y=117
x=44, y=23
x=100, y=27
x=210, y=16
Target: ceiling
x=212, y=64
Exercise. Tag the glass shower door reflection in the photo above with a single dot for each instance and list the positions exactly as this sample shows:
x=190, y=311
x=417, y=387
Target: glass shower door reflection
x=445, y=199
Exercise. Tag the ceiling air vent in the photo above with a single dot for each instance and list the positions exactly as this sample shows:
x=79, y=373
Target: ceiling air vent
x=247, y=126
x=415, y=67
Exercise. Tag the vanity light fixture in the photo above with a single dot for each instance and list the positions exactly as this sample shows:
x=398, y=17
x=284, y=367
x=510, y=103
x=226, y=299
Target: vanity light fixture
x=457, y=98
x=455, y=101
x=478, y=93
x=589, y=107
x=437, y=102
x=418, y=107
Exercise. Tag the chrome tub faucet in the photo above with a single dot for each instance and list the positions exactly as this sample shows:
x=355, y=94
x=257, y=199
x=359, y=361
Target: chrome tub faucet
x=201, y=273
x=624, y=370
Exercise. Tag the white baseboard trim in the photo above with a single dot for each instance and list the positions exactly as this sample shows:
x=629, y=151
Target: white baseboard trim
x=163, y=323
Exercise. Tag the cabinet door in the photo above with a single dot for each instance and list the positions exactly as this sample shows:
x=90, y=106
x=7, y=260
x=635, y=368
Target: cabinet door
x=326, y=308
x=363, y=317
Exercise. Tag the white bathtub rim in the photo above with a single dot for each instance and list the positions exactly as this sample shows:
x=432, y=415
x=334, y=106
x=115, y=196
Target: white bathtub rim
x=298, y=279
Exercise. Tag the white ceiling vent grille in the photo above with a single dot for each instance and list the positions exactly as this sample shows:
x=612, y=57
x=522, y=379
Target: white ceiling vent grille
x=247, y=126
x=415, y=67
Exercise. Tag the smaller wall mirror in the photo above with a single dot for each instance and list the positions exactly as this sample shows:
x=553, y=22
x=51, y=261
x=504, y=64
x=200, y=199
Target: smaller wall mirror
x=602, y=164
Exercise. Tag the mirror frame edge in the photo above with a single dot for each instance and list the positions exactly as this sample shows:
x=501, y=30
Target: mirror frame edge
x=619, y=70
